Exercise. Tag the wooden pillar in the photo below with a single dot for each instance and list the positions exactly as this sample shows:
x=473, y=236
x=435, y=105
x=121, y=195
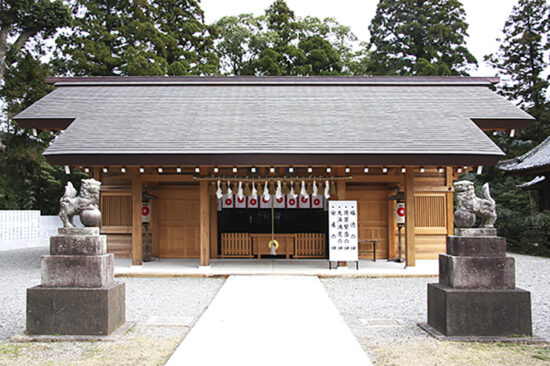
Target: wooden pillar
x=204, y=224
x=341, y=189
x=391, y=229
x=409, y=217
x=137, y=254
x=213, y=227
x=449, y=200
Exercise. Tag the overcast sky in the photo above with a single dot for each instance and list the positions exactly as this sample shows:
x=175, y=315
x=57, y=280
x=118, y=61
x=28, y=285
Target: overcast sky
x=485, y=18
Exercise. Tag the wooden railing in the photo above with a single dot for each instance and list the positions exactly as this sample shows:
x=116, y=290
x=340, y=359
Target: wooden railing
x=303, y=245
x=310, y=246
x=236, y=245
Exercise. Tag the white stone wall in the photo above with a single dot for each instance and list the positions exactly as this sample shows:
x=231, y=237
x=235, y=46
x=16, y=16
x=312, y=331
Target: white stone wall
x=26, y=229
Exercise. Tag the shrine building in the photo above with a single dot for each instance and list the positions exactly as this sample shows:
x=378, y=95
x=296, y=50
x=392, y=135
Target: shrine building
x=226, y=163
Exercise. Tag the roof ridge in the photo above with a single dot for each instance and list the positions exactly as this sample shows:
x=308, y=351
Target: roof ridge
x=274, y=80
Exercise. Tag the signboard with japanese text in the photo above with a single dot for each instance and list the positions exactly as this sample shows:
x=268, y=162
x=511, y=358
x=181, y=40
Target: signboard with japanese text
x=342, y=221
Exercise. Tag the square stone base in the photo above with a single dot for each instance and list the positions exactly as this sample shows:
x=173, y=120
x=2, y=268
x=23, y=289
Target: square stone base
x=460, y=312
x=477, y=272
x=77, y=270
x=75, y=311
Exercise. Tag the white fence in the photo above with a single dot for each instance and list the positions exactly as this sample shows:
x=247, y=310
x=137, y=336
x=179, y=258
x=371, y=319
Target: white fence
x=25, y=229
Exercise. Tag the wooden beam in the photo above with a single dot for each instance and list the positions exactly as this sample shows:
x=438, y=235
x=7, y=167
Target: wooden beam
x=167, y=178
x=204, y=224
x=137, y=248
x=384, y=178
x=409, y=218
x=449, y=177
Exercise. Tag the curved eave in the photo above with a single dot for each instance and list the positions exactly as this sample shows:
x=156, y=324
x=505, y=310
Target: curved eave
x=273, y=159
x=502, y=123
x=44, y=123
x=527, y=171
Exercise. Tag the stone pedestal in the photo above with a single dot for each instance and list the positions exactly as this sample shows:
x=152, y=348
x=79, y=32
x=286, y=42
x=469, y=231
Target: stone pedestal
x=78, y=294
x=476, y=293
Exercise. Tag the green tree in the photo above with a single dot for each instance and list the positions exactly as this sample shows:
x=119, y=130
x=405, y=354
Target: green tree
x=522, y=64
x=419, y=37
x=280, y=43
x=142, y=37
x=25, y=20
x=27, y=180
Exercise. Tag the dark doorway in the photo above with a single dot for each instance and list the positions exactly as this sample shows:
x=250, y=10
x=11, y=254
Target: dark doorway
x=287, y=221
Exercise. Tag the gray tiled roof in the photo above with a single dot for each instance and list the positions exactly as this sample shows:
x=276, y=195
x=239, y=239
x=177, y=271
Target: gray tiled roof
x=534, y=159
x=344, y=118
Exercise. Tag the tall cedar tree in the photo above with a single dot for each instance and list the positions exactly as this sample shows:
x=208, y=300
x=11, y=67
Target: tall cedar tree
x=419, y=37
x=25, y=20
x=27, y=180
x=521, y=62
x=279, y=43
x=137, y=37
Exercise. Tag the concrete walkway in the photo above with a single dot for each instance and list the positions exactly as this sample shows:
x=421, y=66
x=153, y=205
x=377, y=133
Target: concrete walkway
x=270, y=320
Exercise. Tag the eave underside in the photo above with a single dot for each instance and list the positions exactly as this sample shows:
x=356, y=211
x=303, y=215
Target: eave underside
x=273, y=159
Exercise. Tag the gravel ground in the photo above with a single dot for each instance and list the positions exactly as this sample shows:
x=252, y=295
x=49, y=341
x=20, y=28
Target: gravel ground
x=178, y=302
x=383, y=312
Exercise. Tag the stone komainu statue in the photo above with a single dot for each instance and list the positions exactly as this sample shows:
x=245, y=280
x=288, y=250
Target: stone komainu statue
x=85, y=205
x=469, y=206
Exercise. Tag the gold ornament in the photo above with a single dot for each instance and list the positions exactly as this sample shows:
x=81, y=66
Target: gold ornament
x=212, y=188
x=285, y=189
x=309, y=188
x=247, y=191
x=332, y=188
x=272, y=189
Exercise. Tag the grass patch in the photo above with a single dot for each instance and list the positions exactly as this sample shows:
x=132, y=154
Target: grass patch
x=134, y=350
x=438, y=353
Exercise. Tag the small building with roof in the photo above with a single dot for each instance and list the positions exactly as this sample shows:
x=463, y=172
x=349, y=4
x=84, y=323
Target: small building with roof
x=303, y=140
x=535, y=163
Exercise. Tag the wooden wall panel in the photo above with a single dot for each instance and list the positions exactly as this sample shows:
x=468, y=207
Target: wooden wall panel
x=431, y=224
x=116, y=222
x=430, y=246
x=372, y=216
x=430, y=210
x=116, y=210
x=119, y=244
x=178, y=222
